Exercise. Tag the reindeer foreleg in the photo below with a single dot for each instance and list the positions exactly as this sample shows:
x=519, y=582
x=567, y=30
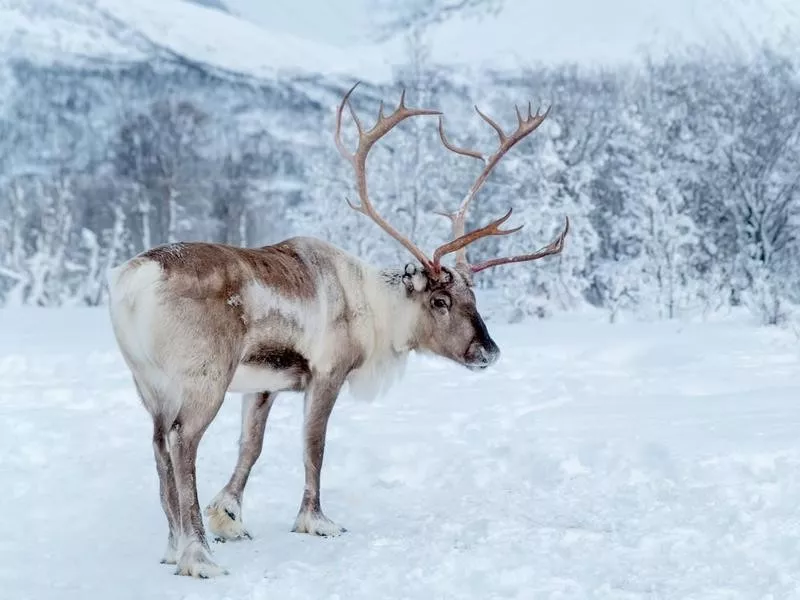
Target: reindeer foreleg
x=319, y=401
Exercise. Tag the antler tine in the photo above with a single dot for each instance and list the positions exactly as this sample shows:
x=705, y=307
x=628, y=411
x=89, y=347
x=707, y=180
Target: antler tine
x=554, y=247
x=500, y=133
x=358, y=159
x=457, y=149
x=337, y=134
x=460, y=242
x=525, y=126
x=355, y=118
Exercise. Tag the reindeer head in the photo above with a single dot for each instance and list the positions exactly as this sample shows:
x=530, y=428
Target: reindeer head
x=449, y=324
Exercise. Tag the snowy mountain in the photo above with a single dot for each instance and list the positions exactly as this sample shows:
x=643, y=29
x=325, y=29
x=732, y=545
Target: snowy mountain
x=51, y=31
x=256, y=40
x=66, y=64
x=522, y=32
x=215, y=4
x=516, y=33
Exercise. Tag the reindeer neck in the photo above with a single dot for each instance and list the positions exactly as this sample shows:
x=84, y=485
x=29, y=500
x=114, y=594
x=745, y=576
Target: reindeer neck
x=396, y=312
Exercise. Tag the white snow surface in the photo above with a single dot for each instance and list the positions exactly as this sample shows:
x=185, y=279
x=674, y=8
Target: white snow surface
x=619, y=461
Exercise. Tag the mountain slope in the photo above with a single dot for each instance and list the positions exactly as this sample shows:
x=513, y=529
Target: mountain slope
x=215, y=4
x=526, y=31
x=50, y=31
x=522, y=33
x=613, y=31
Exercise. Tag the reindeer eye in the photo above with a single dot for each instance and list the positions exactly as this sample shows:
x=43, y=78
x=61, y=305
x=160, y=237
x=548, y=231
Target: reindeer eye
x=439, y=303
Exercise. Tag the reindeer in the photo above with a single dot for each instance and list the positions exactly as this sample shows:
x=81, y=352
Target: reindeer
x=196, y=320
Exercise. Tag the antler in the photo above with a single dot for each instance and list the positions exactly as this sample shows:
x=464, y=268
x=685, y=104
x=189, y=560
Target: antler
x=525, y=126
x=554, y=247
x=366, y=139
x=459, y=243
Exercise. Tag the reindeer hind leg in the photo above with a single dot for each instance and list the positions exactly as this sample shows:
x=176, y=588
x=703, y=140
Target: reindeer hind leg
x=162, y=420
x=168, y=490
x=200, y=403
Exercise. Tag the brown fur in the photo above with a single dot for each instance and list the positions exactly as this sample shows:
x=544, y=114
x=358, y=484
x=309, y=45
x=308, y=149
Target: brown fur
x=201, y=270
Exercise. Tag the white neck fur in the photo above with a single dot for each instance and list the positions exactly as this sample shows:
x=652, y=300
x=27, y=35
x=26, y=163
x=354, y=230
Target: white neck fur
x=390, y=334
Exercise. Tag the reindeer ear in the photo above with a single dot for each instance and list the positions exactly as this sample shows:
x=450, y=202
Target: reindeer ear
x=414, y=279
x=466, y=273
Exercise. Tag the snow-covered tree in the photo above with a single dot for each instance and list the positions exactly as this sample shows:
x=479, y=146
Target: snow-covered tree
x=158, y=153
x=679, y=178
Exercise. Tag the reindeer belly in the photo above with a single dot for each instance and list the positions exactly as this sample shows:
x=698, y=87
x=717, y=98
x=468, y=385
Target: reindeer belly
x=248, y=379
x=270, y=369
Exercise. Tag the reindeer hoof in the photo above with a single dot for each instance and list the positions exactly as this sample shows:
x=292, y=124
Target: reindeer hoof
x=316, y=523
x=170, y=553
x=225, y=519
x=196, y=562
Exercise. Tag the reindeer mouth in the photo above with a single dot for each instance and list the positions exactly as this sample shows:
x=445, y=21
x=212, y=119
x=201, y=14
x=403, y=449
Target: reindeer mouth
x=477, y=367
x=479, y=357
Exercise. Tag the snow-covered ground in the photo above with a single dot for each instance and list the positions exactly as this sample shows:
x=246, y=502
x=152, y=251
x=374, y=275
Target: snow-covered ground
x=595, y=461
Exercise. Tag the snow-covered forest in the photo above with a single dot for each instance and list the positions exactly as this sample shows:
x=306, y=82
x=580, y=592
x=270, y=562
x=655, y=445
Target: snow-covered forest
x=680, y=176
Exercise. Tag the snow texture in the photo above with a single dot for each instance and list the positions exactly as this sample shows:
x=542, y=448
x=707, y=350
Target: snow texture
x=594, y=461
